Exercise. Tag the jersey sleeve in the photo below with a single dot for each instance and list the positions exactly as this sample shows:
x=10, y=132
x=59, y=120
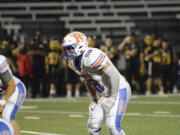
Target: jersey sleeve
x=96, y=59
x=3, y=64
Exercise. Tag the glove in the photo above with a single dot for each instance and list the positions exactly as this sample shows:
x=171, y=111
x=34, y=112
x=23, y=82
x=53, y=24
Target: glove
x=107, y=103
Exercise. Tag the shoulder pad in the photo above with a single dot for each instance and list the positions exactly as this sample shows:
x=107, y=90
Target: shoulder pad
x=3, y=64
x=94, y=58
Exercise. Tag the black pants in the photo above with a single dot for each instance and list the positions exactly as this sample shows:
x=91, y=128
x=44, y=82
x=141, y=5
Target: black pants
x=167, y=78
x=38, y=79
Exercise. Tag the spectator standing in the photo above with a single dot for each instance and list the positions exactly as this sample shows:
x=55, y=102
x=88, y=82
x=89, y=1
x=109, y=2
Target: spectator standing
x=146, y=61
x=53, y=66
x=39, y=66
x=167, y=66
x=131, y=52
x=111, y=52
x=156, y=64
x=24, y=67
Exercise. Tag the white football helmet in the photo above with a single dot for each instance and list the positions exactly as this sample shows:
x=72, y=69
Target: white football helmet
x=74, y=43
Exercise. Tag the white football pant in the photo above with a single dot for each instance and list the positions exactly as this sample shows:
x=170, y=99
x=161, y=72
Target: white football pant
x=14, y=102
x=113, y=117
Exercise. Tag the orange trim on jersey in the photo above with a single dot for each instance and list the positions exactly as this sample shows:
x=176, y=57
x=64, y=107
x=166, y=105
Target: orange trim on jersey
x=100, y=59
x=3, y=65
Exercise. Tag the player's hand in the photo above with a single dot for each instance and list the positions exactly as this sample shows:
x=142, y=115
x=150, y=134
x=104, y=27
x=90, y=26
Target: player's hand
x=107, y=103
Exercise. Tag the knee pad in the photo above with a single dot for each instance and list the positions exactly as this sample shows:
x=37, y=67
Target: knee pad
x=6, y=128
x=93, y=130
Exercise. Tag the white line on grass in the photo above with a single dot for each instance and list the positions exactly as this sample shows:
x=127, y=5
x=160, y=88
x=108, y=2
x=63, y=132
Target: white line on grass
x=153, y=115
x=28, y=107
x=155, y=102
x=161, y=112
x=38, y=133
x=86, y=99
x=83, y=113
x=31, y=118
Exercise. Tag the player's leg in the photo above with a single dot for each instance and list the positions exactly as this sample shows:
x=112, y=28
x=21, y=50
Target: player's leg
x=6, y=128
x=96, y=119
x=12, y=106
x=114, y=117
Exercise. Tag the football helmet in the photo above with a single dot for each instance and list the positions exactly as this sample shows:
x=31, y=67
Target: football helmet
x=74, y=44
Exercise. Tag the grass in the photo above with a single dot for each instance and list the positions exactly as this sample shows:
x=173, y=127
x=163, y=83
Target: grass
x=140, y=118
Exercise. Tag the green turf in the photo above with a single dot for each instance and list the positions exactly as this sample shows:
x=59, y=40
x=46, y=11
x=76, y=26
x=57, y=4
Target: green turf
x=54, y=117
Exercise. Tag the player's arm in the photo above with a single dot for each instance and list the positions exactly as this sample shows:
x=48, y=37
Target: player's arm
x=91, y=90
x=8, y=80
x=113, y=75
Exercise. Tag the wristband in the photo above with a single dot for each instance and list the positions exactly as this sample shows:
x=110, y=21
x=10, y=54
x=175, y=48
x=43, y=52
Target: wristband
x=2, y=102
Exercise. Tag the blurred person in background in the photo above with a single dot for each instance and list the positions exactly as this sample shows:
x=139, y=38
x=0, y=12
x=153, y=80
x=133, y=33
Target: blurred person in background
x=91, y=41
x=131, y=52
x=167, y=66
x=72, y=80
x=111, y=52
x=24, y=65
x=38, y=52
x=53, y=65
x=156, y=65
x=146, y=61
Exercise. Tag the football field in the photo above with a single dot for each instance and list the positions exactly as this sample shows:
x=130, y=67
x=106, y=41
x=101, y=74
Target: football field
x=60, y=116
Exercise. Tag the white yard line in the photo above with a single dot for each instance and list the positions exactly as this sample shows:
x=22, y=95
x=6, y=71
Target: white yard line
x=54, y=112
x=86, y=113
x=88, y=99
x=153, y=115
x=38, y=133
x=155, y=102
x=161, y=112
x=28, y=107
x=31, y=118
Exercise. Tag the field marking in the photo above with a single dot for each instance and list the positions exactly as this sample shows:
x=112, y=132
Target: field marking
x=155, y=102
x=161, y=112
x=31, y=118
x=38, y=133
x=29, y=107
x=54, y=112
x=76, y=116
x=88, y=99
x=86, y=113
x=153, y=115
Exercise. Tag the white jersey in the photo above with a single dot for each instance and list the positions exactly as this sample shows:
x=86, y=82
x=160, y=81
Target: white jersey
x=4, y=66
x=90, y=65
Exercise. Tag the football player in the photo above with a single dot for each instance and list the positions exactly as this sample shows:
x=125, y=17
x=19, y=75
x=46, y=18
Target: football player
x=109, y=89
x=13, y=96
